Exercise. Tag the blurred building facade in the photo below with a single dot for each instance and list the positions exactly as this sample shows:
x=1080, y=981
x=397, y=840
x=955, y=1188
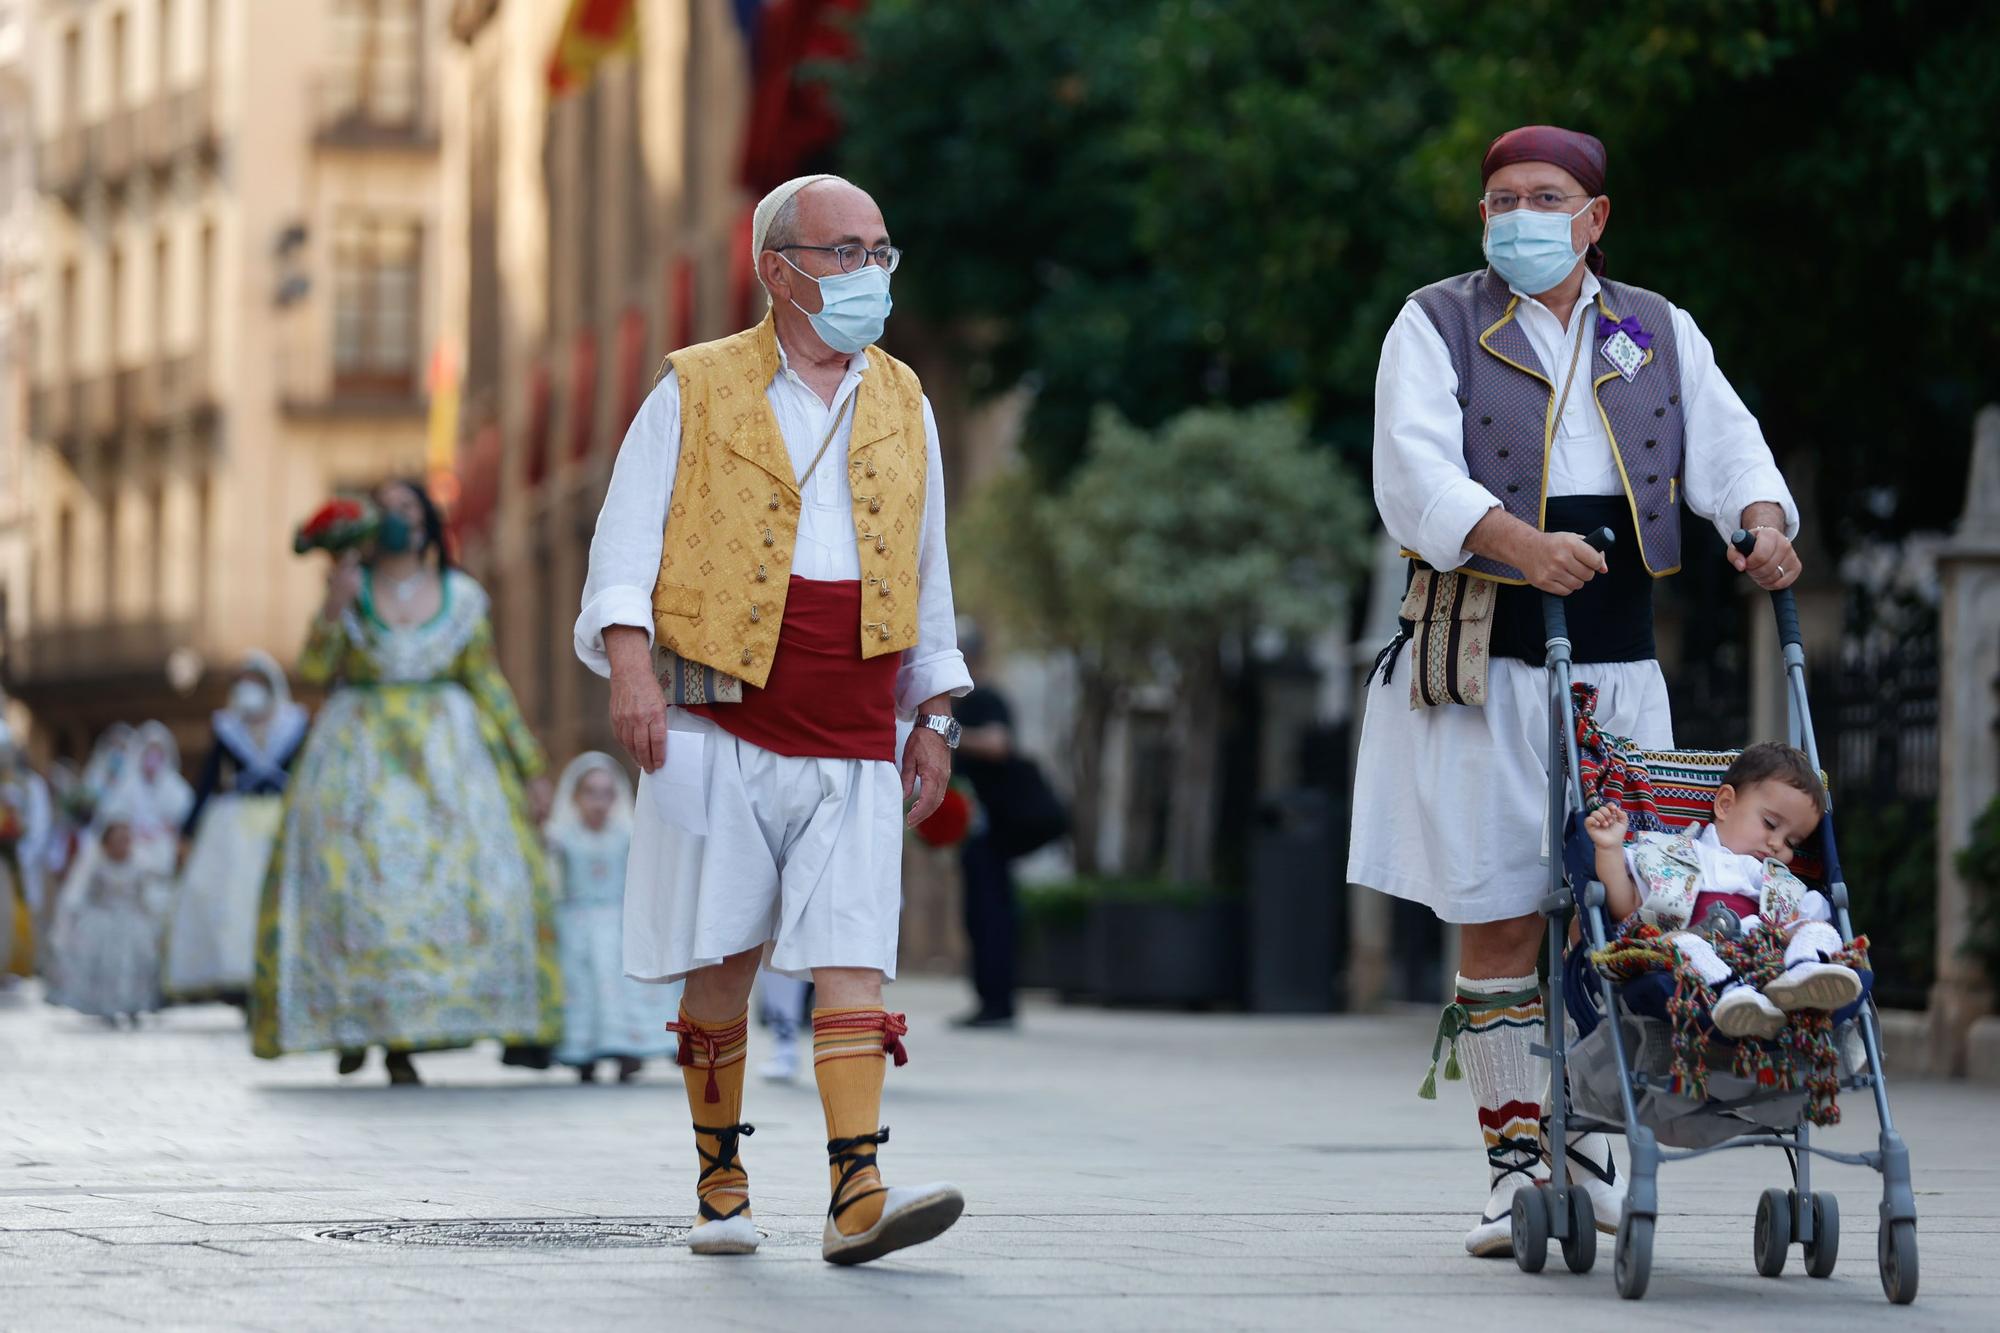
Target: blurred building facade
x=235, y=292
x=18, y=234
x=594, y=230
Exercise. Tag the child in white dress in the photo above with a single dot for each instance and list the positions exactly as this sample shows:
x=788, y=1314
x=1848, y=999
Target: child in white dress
x=111, y=934
x=606, y=1016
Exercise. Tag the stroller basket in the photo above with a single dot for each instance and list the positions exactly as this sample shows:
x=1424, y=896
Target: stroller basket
x=1614, y=1071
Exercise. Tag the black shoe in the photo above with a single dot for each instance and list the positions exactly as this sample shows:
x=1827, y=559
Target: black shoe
x=587, y=1073
x=401, y=1071
x=628, y=1068
x=980, y=1018
x=350, y=1061
x=528, y=1057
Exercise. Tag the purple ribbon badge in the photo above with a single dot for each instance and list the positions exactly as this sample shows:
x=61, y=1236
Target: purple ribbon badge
x=1629, y=326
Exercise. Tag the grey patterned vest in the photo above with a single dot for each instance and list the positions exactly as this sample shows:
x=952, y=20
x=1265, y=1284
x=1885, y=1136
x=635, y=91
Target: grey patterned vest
x=1506, y=397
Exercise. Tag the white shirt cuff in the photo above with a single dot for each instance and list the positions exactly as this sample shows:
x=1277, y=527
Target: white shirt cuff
x=927, y=677
x=1449, y=520
x=613, y=606
x=1759, y=485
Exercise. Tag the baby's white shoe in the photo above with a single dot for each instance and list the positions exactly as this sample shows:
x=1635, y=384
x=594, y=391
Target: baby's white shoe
x=1814, y=985
x=782, y=1065
x=1745, y=1011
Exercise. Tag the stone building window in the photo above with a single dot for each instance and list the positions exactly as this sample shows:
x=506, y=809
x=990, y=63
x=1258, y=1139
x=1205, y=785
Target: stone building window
x=377, y=64
x=377, y=304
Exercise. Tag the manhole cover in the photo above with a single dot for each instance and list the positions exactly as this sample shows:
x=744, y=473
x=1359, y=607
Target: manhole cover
x=522, y=1233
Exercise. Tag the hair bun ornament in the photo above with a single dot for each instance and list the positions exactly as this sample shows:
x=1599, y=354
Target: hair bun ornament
x=338, y=525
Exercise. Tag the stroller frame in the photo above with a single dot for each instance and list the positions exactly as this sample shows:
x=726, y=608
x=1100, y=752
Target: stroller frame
x=1558, y=1211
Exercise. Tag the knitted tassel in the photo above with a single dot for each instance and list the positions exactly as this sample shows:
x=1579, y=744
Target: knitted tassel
x=1451, y=1023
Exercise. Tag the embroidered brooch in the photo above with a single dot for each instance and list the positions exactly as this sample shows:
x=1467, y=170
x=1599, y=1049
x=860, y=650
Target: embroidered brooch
x=1625, y=343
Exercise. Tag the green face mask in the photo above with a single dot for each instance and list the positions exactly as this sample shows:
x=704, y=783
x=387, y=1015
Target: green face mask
x=393, y=535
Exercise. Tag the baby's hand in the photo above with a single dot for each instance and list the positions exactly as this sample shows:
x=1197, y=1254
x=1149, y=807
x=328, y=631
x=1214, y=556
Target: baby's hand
x=1607, y=826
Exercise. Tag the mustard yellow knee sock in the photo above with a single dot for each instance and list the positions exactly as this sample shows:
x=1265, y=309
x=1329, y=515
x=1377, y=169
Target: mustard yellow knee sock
x=848, y=1050
x=711, y=1061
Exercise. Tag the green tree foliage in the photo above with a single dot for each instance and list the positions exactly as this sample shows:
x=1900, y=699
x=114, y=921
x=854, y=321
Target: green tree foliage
x=1158, y=204
x=1163, y=546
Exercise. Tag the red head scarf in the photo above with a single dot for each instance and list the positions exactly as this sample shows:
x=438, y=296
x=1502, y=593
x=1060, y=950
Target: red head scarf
x=1581, y=155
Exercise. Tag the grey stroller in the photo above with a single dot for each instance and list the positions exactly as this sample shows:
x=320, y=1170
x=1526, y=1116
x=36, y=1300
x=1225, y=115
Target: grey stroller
x=1615, y=1069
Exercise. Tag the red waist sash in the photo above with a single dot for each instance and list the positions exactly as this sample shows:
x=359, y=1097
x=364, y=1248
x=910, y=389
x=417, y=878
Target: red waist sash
x=822, y=700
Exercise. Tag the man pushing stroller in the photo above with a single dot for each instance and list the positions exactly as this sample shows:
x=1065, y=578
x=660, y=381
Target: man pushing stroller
x=1728, y=881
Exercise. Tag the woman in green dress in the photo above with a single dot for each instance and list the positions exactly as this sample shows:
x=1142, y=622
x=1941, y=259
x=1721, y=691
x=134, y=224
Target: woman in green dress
x=407, y=904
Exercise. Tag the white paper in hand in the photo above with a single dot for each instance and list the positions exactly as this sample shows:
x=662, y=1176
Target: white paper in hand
x=678, y=788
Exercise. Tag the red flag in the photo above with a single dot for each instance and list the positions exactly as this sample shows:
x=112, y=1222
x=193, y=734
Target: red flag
x=791, y=121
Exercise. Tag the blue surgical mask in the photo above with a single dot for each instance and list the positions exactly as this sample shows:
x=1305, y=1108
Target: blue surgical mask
x=1532, y=250
x=854, y=307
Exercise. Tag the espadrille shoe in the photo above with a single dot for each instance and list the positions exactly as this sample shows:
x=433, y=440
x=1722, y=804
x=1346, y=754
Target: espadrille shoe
x=1593, y=1170
x=911, y=1215
x=1493, y=1237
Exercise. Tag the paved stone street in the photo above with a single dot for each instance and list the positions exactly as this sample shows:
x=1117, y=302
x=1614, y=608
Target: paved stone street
x=1124, y=1170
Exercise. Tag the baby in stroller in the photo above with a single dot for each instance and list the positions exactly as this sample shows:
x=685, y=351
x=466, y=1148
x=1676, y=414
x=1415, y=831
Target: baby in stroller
x=1720, y=882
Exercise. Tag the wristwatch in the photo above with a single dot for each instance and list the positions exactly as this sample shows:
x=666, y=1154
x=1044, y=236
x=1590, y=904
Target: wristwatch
x=944, y=725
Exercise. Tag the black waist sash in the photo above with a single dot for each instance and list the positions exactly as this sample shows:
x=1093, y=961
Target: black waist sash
x=1610, y=617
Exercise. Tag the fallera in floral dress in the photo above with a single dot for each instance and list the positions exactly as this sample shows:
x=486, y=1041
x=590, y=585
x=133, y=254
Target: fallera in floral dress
x=408, y=905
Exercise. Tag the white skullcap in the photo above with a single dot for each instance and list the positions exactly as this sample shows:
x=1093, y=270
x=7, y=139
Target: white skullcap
x=768, y=206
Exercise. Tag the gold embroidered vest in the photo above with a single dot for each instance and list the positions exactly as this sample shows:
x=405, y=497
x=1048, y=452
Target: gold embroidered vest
x=733, y=523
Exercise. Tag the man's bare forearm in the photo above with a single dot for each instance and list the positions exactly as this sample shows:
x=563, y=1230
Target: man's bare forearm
x=1500, y=536
x=628, y=648
x=1764, y=514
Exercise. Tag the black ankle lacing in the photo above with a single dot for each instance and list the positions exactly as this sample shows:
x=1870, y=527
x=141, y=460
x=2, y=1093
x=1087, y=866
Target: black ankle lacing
x=722, y=1159
x=842, y=1153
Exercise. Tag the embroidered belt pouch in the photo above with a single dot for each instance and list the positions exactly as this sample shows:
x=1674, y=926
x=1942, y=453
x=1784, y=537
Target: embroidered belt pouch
x=685, y=682
x=1452, y=617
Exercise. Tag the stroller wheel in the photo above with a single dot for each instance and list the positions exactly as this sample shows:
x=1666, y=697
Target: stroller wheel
x=1580, y=1246
x=1896, y=1252
x=1774, y=1231
x=1632, y=1256
x=1824, y=1248
x=1531, y=1229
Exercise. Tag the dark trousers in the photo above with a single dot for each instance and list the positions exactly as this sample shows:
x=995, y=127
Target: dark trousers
x=989, y=921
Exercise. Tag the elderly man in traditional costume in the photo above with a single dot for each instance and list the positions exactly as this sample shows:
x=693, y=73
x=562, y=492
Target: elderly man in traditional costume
x=771, y=561
x=1517, y=407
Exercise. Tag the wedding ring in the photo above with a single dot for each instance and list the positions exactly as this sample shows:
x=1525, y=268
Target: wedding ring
x=1781, y=571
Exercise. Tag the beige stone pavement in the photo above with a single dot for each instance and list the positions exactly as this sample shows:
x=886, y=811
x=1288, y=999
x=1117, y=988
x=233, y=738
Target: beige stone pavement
x=1125, y=1170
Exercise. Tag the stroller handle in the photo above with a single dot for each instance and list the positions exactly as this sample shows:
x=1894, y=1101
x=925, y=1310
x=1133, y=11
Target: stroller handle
x=1782, y=601
x=1555, y=619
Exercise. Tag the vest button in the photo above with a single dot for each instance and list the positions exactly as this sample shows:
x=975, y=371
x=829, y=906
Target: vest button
x=885, y=631
x=1659, y=411
x=881, y=546
x=1652, y=518
x=1505, y=452
x=884, y=591
x=746, y=657
x=755, y=614
x=1652, y=478
x=1511, y=488
x=774, y=499
x=769, y=540
x=1486, y=421
x=1674, y=398
x=762, y=577
x=875, y=505
x=869, y=471
x=1651, y=443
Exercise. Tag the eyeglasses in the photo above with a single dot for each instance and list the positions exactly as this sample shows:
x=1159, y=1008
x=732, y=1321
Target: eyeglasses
x=852, y=257
x=1541, y=201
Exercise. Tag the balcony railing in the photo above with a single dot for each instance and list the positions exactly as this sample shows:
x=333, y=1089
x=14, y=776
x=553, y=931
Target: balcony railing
x=65, y=163
x=67, y=654
x=100, y=405
x=57, y=410
x=182, y=121
x=112, y=150
x=349, y=115
x=185, y=387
